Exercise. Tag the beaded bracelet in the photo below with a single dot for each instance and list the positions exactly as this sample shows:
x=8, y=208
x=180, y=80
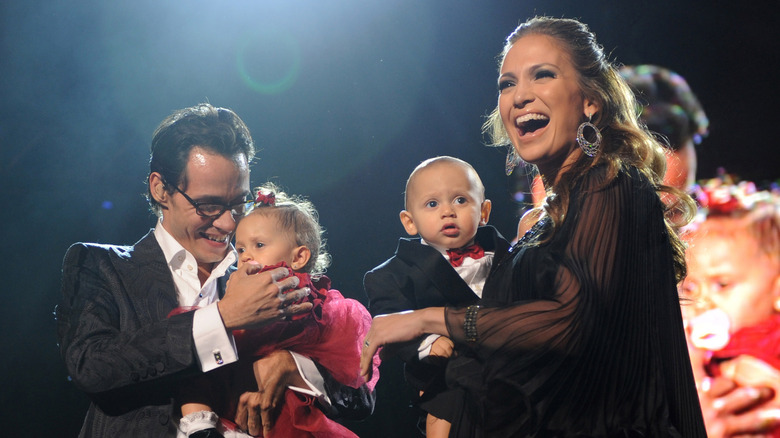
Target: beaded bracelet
x=470, y=323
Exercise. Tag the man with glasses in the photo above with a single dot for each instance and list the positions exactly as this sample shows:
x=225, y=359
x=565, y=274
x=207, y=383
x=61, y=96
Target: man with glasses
x=115, y=336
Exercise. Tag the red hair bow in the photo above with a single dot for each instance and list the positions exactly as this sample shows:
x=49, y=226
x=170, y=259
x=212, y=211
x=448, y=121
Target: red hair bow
x=266, y=199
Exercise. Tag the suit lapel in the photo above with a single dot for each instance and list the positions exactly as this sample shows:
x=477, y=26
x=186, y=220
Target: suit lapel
x=491, y=240
x=149, y=279
x=437, y=269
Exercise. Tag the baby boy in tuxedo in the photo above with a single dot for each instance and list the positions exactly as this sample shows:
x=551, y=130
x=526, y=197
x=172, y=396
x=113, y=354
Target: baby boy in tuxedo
x=447, y=266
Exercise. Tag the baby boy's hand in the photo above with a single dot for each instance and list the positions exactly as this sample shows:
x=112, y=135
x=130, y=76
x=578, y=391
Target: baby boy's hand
x=442, y=347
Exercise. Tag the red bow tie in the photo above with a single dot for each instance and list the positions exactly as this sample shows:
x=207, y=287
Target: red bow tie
x=457, y=255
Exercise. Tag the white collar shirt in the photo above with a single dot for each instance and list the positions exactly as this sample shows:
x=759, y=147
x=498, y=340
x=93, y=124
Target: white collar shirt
x=184, y=269
x=473, y=271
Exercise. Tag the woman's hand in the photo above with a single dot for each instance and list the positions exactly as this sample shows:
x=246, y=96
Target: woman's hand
x=399, y=327
x=730, y=410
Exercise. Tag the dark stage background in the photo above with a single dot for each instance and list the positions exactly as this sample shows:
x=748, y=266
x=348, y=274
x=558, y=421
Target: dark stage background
x=343, y=98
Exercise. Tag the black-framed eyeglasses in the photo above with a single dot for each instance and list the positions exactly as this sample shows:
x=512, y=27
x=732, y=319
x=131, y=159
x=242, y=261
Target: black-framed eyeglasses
x=213, y=210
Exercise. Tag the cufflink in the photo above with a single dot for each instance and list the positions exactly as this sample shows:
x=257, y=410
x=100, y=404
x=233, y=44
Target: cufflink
x=218, y=357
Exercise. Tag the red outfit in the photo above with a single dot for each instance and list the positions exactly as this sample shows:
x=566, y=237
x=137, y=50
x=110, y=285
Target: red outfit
x=761, y=341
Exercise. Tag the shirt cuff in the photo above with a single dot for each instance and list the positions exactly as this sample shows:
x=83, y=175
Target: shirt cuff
x=214, y=346
x=311, y=375
x=424, y=350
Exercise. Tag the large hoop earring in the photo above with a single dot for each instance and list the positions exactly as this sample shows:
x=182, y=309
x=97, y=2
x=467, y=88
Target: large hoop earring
x=590, y=148
x=512, y=161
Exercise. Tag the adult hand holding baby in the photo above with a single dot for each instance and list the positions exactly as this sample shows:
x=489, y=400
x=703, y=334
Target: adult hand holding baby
x=731, y=410
x=254, y=298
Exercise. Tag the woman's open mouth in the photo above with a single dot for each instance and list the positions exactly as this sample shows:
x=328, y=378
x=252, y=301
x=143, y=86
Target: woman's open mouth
x=529, y=123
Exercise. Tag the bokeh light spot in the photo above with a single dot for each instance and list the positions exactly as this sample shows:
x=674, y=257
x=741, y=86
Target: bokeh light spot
x=269, y=61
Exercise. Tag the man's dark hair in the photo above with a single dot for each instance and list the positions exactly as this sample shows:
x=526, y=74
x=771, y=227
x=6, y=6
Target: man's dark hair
x=218, y=130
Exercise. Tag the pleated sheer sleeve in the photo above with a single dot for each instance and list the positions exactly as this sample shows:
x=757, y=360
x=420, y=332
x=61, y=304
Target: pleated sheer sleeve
x=574, y=281
x=582, y=334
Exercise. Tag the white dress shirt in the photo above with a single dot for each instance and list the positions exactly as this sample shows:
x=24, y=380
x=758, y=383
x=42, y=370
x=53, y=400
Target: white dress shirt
x=473, y=271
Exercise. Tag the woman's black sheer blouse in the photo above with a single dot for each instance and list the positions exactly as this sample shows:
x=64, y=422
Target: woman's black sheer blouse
x=581, y=335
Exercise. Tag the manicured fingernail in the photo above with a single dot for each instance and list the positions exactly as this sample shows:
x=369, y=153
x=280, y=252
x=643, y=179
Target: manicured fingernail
x=770, y=419
x=754, y=393
x=706, y=384
x=771, y=413
x=718, y=403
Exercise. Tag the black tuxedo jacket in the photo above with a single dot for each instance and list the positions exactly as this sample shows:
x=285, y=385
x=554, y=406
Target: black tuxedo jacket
x=417, y=276
x=121, y=348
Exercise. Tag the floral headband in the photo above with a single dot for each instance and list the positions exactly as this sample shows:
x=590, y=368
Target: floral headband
x=723, y=196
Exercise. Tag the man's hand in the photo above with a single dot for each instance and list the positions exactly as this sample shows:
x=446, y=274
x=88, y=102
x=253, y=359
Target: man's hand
x=274, y=373
x=254, y=299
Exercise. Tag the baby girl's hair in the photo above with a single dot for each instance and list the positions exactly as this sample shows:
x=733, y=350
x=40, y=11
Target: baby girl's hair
x=299, y=216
